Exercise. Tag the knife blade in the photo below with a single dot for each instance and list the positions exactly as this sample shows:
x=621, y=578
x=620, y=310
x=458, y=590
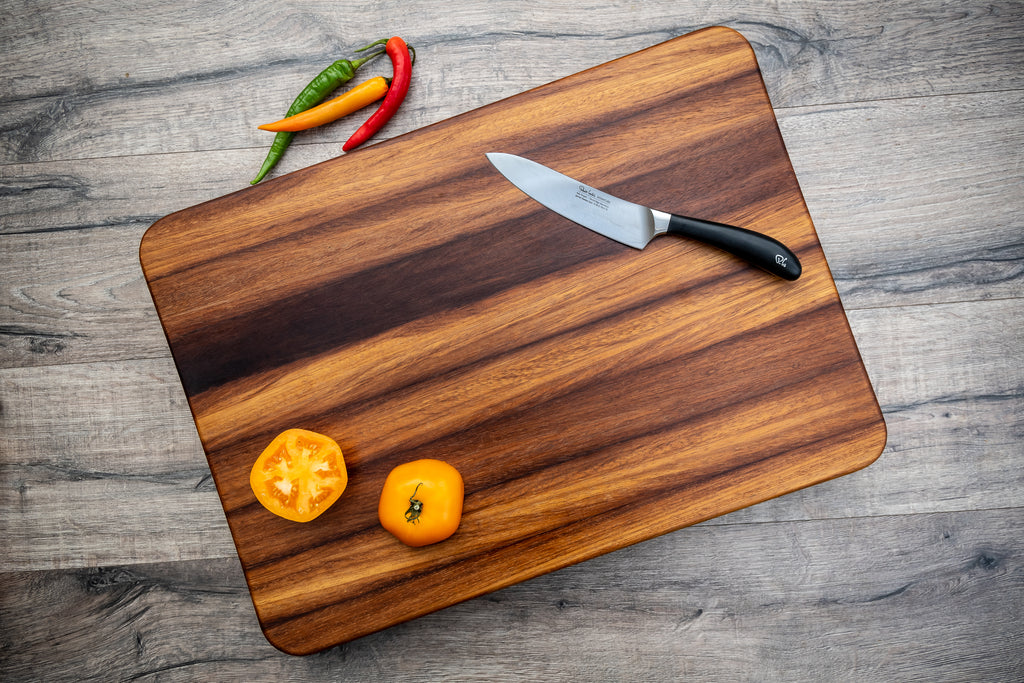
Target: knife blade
x=636, y=225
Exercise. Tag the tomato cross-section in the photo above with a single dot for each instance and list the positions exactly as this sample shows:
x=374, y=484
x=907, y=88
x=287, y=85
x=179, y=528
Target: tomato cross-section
x=299, y=475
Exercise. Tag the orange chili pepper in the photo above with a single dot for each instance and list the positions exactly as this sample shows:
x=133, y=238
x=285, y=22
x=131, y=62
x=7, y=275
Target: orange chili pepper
x=355, y=99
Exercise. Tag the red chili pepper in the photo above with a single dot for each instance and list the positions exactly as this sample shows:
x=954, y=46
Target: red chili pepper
x=402, y=64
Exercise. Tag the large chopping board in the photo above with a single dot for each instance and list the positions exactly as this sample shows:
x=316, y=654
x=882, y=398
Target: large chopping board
x=409, y=302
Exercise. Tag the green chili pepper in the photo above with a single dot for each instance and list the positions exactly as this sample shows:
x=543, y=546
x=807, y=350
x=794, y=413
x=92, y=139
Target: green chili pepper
x=328, y=80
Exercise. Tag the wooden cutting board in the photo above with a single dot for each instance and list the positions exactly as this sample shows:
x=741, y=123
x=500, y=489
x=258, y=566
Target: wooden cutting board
x=409, y=302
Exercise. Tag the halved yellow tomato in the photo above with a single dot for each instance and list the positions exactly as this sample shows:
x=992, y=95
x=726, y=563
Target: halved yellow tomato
x=299, y=475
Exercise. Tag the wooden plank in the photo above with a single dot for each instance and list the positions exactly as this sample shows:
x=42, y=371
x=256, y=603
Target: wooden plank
x=102, y=465
x=240, y=71
x=911, y=175
x=76, y=296
x=117, y=192
x=887, y=598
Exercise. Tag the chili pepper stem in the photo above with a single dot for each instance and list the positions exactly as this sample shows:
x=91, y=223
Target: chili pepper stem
x=382, y=41
x=356, y=63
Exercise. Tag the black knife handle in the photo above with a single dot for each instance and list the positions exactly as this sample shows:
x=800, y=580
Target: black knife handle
x=753, y=247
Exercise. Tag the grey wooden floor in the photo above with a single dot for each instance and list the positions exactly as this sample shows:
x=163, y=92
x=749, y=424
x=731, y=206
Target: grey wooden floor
x=905, y=124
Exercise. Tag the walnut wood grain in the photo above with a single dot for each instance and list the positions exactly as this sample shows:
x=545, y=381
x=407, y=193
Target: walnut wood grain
x=409, y=302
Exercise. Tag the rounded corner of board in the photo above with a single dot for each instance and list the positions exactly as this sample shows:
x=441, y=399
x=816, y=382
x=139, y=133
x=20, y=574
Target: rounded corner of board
x=727, y=34
x=881, y=435
x=874, y=442
x=287, y=646
x=146, y=245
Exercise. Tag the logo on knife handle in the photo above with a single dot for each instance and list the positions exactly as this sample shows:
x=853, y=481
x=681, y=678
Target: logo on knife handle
x=781, y=260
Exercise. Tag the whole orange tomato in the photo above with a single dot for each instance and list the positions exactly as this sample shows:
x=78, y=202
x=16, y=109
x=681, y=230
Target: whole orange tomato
x=422, y=502
x=299, y=475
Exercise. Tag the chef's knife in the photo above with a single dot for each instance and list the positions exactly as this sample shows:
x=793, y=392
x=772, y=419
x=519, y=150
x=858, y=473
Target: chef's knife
x=636, y=225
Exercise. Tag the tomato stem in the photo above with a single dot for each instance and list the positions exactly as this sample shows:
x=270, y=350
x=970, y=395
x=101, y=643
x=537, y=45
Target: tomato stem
x=412, y=515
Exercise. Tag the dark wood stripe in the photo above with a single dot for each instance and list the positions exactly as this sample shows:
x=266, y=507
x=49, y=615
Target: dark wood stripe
x=374, y=300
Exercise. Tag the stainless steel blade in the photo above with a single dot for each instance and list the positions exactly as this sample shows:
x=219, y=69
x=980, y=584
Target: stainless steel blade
x=622, y=221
